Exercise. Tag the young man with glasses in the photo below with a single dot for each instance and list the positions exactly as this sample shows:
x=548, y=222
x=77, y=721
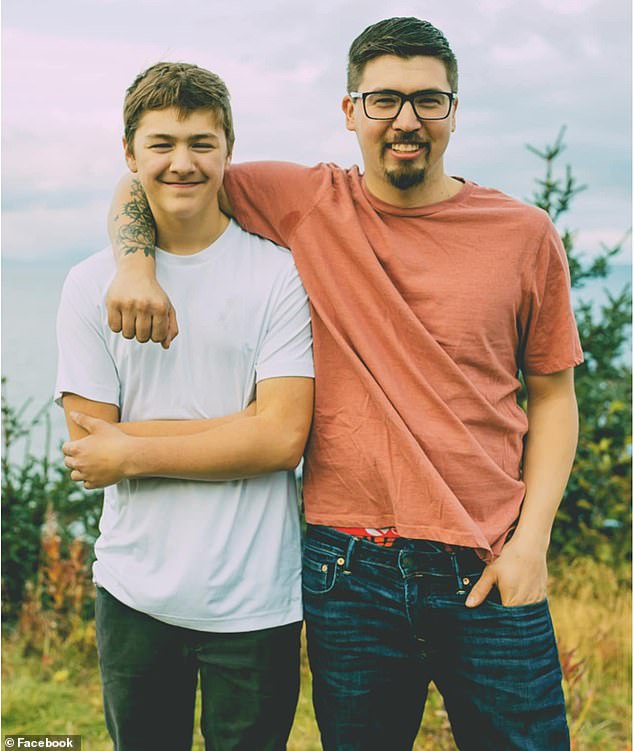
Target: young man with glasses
x=429, y=493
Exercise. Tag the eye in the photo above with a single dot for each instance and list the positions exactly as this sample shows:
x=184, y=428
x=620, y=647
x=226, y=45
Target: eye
x=431, y=100
x=203, y=146
x=383, y=100
x=161, y=146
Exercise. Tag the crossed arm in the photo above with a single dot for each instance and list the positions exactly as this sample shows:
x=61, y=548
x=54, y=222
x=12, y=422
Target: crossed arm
x=268, y=436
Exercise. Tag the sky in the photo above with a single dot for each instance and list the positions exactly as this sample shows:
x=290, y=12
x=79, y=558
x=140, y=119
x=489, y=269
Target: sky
x=526, y=70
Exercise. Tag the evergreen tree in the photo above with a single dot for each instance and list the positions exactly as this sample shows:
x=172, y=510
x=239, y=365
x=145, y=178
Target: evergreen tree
x=595, y=515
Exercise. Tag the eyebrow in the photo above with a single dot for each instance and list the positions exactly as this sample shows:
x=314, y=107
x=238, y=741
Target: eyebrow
x=402, y=93
x=172, y=137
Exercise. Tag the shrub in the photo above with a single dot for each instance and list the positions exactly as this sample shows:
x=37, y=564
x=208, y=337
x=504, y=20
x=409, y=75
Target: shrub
x=31, y=488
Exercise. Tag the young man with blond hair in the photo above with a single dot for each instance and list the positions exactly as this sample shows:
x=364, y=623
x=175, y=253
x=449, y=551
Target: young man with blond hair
x=198, y=559
x=429, y=493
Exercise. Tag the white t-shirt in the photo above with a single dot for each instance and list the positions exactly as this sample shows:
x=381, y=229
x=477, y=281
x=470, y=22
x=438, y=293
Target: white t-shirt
x=212, y=556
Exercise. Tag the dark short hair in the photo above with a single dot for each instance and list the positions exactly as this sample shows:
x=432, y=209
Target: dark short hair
x=182, y=85
x=403, y=37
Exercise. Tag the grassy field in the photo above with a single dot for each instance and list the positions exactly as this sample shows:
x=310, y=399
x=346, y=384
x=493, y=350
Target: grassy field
x=592, y=614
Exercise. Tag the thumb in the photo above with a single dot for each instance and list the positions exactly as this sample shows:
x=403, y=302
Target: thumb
x=172, y=328
x=91, y=424
x=481, y=588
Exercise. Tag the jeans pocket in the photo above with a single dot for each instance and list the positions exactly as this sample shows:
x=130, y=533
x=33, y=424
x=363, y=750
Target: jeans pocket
x=319, y=571
x=494, y=600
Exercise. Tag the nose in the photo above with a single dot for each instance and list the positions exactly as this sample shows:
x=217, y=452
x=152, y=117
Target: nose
x=182, y=160
x=407, y=119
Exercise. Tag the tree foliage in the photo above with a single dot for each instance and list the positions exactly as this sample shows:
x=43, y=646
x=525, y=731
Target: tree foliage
x=595, y=515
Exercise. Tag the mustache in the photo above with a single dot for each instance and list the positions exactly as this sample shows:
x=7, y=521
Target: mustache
x=409, y=138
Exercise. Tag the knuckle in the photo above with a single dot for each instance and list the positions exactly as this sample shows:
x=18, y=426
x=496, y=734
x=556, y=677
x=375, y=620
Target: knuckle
x=128, y=305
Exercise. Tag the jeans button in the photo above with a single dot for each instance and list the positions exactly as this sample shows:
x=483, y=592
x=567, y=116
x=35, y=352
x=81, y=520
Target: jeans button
x=341, y=561
x=466, y=580
x=324, y=568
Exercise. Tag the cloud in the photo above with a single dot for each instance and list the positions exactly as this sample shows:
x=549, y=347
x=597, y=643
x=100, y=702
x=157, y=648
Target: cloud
x=532, y=49
x=525, y=71
x=39, y=231
x=568, y=7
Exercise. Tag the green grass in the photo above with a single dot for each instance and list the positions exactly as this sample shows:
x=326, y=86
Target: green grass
x=591, y=610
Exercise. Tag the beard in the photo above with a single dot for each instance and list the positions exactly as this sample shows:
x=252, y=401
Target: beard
x=405, y=178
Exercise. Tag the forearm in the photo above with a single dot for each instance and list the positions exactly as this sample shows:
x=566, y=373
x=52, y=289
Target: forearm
x=520, y=572
x=549, y=454
x=131, y=225
x=167, y=428
x=237, y=449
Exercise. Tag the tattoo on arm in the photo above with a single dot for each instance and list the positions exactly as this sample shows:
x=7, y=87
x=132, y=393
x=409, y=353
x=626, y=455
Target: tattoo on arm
x=139, y=233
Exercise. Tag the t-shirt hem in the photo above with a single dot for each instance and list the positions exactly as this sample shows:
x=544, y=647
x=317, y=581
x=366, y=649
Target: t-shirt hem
x=95, y=395
x=290, y=370
x=253, y=622
x=550, y=368
x=292, y=614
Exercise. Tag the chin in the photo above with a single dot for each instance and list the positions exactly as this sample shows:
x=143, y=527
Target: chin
x=404, y=179
x=182, y=206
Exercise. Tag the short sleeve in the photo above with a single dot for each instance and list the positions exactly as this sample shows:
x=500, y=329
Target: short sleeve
x=270, y=199
x=84, y=366
x=551, y=341
x=287, y=344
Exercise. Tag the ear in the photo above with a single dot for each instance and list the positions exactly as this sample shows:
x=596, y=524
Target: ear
x=454, y=107
x=347, y=105
x=129, y=156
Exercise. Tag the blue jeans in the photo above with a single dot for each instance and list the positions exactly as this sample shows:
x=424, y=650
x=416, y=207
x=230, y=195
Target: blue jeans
x=383, y=622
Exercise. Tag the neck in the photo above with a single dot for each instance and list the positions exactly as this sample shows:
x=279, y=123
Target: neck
x=188, y=235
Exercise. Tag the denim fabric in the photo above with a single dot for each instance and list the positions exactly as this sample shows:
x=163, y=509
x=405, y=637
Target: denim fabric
x=384, y=622
x=249, y=682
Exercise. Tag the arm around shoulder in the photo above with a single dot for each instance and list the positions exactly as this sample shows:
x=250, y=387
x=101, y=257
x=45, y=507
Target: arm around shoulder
x=271, y=198
x=137, y=305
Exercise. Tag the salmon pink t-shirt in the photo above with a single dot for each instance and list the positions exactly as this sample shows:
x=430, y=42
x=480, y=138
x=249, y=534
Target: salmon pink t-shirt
x=422, y=319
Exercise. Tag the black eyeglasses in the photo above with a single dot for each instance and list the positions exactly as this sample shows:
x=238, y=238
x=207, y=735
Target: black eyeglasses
x=387, y=105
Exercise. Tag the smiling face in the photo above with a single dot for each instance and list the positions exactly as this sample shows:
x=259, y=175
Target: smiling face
x=403, y=157
x=180, y=161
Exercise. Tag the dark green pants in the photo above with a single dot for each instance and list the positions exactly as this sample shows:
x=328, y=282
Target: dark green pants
x=149, y=670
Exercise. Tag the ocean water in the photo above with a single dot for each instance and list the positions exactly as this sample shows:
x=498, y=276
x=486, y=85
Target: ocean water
x=30, y=294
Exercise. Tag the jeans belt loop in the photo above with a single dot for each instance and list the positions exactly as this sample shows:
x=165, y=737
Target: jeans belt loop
x=456, y=569
x=352, y=543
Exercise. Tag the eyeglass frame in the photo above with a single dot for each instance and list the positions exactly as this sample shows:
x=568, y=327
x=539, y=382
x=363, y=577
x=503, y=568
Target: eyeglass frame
x=356, y=95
